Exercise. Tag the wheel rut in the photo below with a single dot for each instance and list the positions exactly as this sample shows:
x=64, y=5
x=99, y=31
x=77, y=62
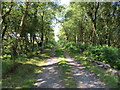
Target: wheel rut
x=49, y=77
x=83, y=77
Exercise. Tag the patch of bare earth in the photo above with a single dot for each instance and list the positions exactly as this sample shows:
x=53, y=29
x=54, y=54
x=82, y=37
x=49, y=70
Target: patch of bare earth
x=49, y=77
x=83, y=77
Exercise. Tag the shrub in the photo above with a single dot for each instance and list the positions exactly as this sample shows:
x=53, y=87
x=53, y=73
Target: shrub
x=71, y=46
x=105, y=54
x=6, y=66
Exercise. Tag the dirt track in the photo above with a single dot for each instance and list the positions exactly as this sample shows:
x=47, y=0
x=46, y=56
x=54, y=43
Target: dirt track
x=49, y=77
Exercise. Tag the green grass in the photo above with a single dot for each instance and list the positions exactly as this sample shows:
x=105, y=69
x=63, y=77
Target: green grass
x=25, y=73
x=66, y=75
x=24, y=77
x=110, y=80
x=59, y=52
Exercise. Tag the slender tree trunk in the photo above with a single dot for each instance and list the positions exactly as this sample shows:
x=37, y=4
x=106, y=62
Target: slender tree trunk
x=109, y=39
x=15, y=45
x=31, y=44
x=4, y=20
x=4, y=30
x=42, y=32
x=33, y=39
x=94, y=18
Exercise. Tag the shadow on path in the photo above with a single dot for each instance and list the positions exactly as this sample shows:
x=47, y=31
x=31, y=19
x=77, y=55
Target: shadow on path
x=83, y=77
x=49, y=77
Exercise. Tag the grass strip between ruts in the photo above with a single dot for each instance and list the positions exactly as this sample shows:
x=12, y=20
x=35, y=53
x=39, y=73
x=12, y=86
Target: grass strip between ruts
x=66, y=74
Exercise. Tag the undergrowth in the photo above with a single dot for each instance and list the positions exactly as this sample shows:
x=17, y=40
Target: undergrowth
x=22, y=72
x=65, y=75
x=106, y=54
x=110, y=80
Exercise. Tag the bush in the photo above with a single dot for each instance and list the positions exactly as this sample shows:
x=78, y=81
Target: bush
x=71, y=46
x=105, y=54
x=50, y=44
x=6, y=66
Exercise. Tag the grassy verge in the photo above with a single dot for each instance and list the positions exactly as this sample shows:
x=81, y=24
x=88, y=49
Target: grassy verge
x=110, y=80
x=25, y=73
x=66, y=75
x=59, y=52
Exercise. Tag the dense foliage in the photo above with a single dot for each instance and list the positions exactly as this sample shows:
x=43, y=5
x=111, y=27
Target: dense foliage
x=95, y=23
x=26, y=29
x=91, y=29
x=106, y=54
x=27, y=25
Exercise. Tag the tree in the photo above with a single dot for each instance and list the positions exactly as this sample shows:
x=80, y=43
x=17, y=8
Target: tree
x=92, y=23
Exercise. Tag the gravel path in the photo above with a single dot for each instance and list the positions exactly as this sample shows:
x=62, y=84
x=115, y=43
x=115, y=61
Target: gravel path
x=83, y=77
x=49, y=77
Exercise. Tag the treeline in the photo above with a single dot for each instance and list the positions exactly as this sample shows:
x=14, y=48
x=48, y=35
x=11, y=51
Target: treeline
x=96, y=23
x=26, y=33
x=26, y=26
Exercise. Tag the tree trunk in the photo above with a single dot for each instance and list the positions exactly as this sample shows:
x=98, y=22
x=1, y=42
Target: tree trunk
x=4, y=22
x=33, y=39
x=4, y=30
x=93, y=16
x=15, y=45
x=42, y=32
